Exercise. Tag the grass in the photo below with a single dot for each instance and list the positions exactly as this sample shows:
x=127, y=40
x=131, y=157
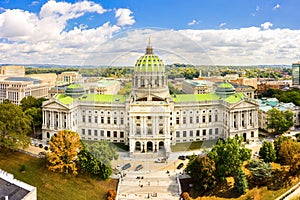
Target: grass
x=51, y=185
x=190, y=146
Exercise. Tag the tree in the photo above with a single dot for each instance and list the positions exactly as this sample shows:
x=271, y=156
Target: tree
x=64, y=150
x=96, y=157
x=260, y=171
x=203, y=172
x=28, y=102
x=267, y=152
x=290, y=153
x=14, y=126
x=240, y=182
x=277, y=145
x=36, y=115
x=280, y=121
x=229, y=156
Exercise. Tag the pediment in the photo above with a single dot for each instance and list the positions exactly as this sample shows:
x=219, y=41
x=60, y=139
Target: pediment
x=244, y=104
x=55, y=105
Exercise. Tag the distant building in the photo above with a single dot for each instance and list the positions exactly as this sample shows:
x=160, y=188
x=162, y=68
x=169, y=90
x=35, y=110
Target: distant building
x=264, y=85
x=12, y=70
x=16, y=88
x=11, y=188
x=69, y=77
x=49, y=78
x=105, y=86
x=296, y=74
x=197, y=86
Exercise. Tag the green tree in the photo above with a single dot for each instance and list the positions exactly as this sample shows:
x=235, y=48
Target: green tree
x=64, y=150
x=14, y=126
x=29, y=102
x=36, y=115
x=280, y=121
x=267, y=152
x=203, y=172
x=260, y=171
x=229, y=156
x=240, y=182
x=96, y=158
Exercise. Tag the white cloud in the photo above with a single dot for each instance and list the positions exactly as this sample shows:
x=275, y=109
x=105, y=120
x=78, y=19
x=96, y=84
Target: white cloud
x=193, y=22
x=34, y=3
x=222, y=25
x=266, y=25
x=257, y=8
x=124, y=17
x=277, y=6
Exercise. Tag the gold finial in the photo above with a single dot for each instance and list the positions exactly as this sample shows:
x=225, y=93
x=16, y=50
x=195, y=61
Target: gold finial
x=149, y=40
x=149, y=49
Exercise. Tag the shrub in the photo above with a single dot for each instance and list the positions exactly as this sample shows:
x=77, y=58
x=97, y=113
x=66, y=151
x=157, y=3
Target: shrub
x=111, y=195
x=23, y=168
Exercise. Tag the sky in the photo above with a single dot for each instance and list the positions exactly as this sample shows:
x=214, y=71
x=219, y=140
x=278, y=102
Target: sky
x=116, y=32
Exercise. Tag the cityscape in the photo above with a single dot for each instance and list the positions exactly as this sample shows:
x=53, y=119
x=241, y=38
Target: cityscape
x=93, y=105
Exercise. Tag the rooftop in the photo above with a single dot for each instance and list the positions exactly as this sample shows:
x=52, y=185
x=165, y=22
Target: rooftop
x=105, y=98
x=199, y=82
x=27, y=79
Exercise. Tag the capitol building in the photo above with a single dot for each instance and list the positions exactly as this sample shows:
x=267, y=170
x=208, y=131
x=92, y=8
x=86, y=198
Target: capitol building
x=150, y=119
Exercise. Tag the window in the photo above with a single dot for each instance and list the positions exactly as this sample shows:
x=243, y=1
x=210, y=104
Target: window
x=149, y=117
x=89, y=132
x=96, y=119
x=177, y=134
x=121, y=134
x=216, y=131
x=252, y=133
x=197, y=119
x=138, y=117
x=108, y=120
x=102, y=133
x=191, y=133
x=216, y=118
x=108, y=133
x=184, y=133
x=149, y=132
x=204, y=132
x=95, y=132
x=83, y=118
x=115, y=134
x=191, y=120
x=90, y=119
x=198, y=133
x=177, y=120
x=122, y=121
x=203, y=119
x=210, y=131
x=209, y=118
x=115, y=120
x=184, y=120
x=160, y=117
x=102, y=120
x=83, y=131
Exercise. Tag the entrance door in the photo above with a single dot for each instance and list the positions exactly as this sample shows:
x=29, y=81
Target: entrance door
x=161, y=145
x=149, y=146
x=138, y=146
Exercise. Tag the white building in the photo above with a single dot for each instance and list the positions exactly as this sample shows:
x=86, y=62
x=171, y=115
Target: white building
x=150, y=119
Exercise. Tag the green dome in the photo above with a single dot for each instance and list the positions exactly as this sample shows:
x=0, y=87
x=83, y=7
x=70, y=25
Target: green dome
x=74, y=90
x=225, y=89
x=149, y=62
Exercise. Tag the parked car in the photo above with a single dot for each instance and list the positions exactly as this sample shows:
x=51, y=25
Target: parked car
x=40, y=145
x=180, y=166
x=126, y=166
x=139, y=167
x=46, y=148
x=181, y=157
x=160, y=160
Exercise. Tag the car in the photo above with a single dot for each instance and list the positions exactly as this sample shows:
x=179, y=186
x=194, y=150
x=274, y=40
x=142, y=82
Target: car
x=46, y=148
x=118, y=167
x=160, y=160
x=180, y=166
x=36, y=144
x=181, y=157
x=139, y=167
x=41, y=145
x=126, y=166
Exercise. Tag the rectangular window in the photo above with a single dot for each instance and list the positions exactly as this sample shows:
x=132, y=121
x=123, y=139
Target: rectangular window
x=102, y=133
x=252, y=133
x=191, y=120
x=90, y=119
x=95, y=132
x=108, y=133
x=122, y=121
x=102, y=120
x=209, y=118
x=177, y=120
x=96, y=119
x=184, y=120
x=216, y=118
x=89, y=132
x=191, y=133
x=115, y=120
x=115, y=134
x=108, y=120
x=83, y=118
x=121, y=134
x=216, y=131
x=198, y=133
x=203, y=119
x=83, y=131
x=184, y=133
x=204, y=132
x=210, y=131
x=197, y=119
x=177, y=134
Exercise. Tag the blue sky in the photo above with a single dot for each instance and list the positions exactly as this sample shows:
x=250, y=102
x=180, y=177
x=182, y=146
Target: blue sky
x=231, y=32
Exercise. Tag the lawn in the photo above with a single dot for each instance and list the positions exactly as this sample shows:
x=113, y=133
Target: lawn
x=51, y=185
x=190, y=146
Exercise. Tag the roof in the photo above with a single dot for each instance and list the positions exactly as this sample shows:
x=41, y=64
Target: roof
x=74, y=86
x=105, y=98
x=199, y=82
x=11, y=190
x=225, y=85
x=235, y=98
x=27, y=79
